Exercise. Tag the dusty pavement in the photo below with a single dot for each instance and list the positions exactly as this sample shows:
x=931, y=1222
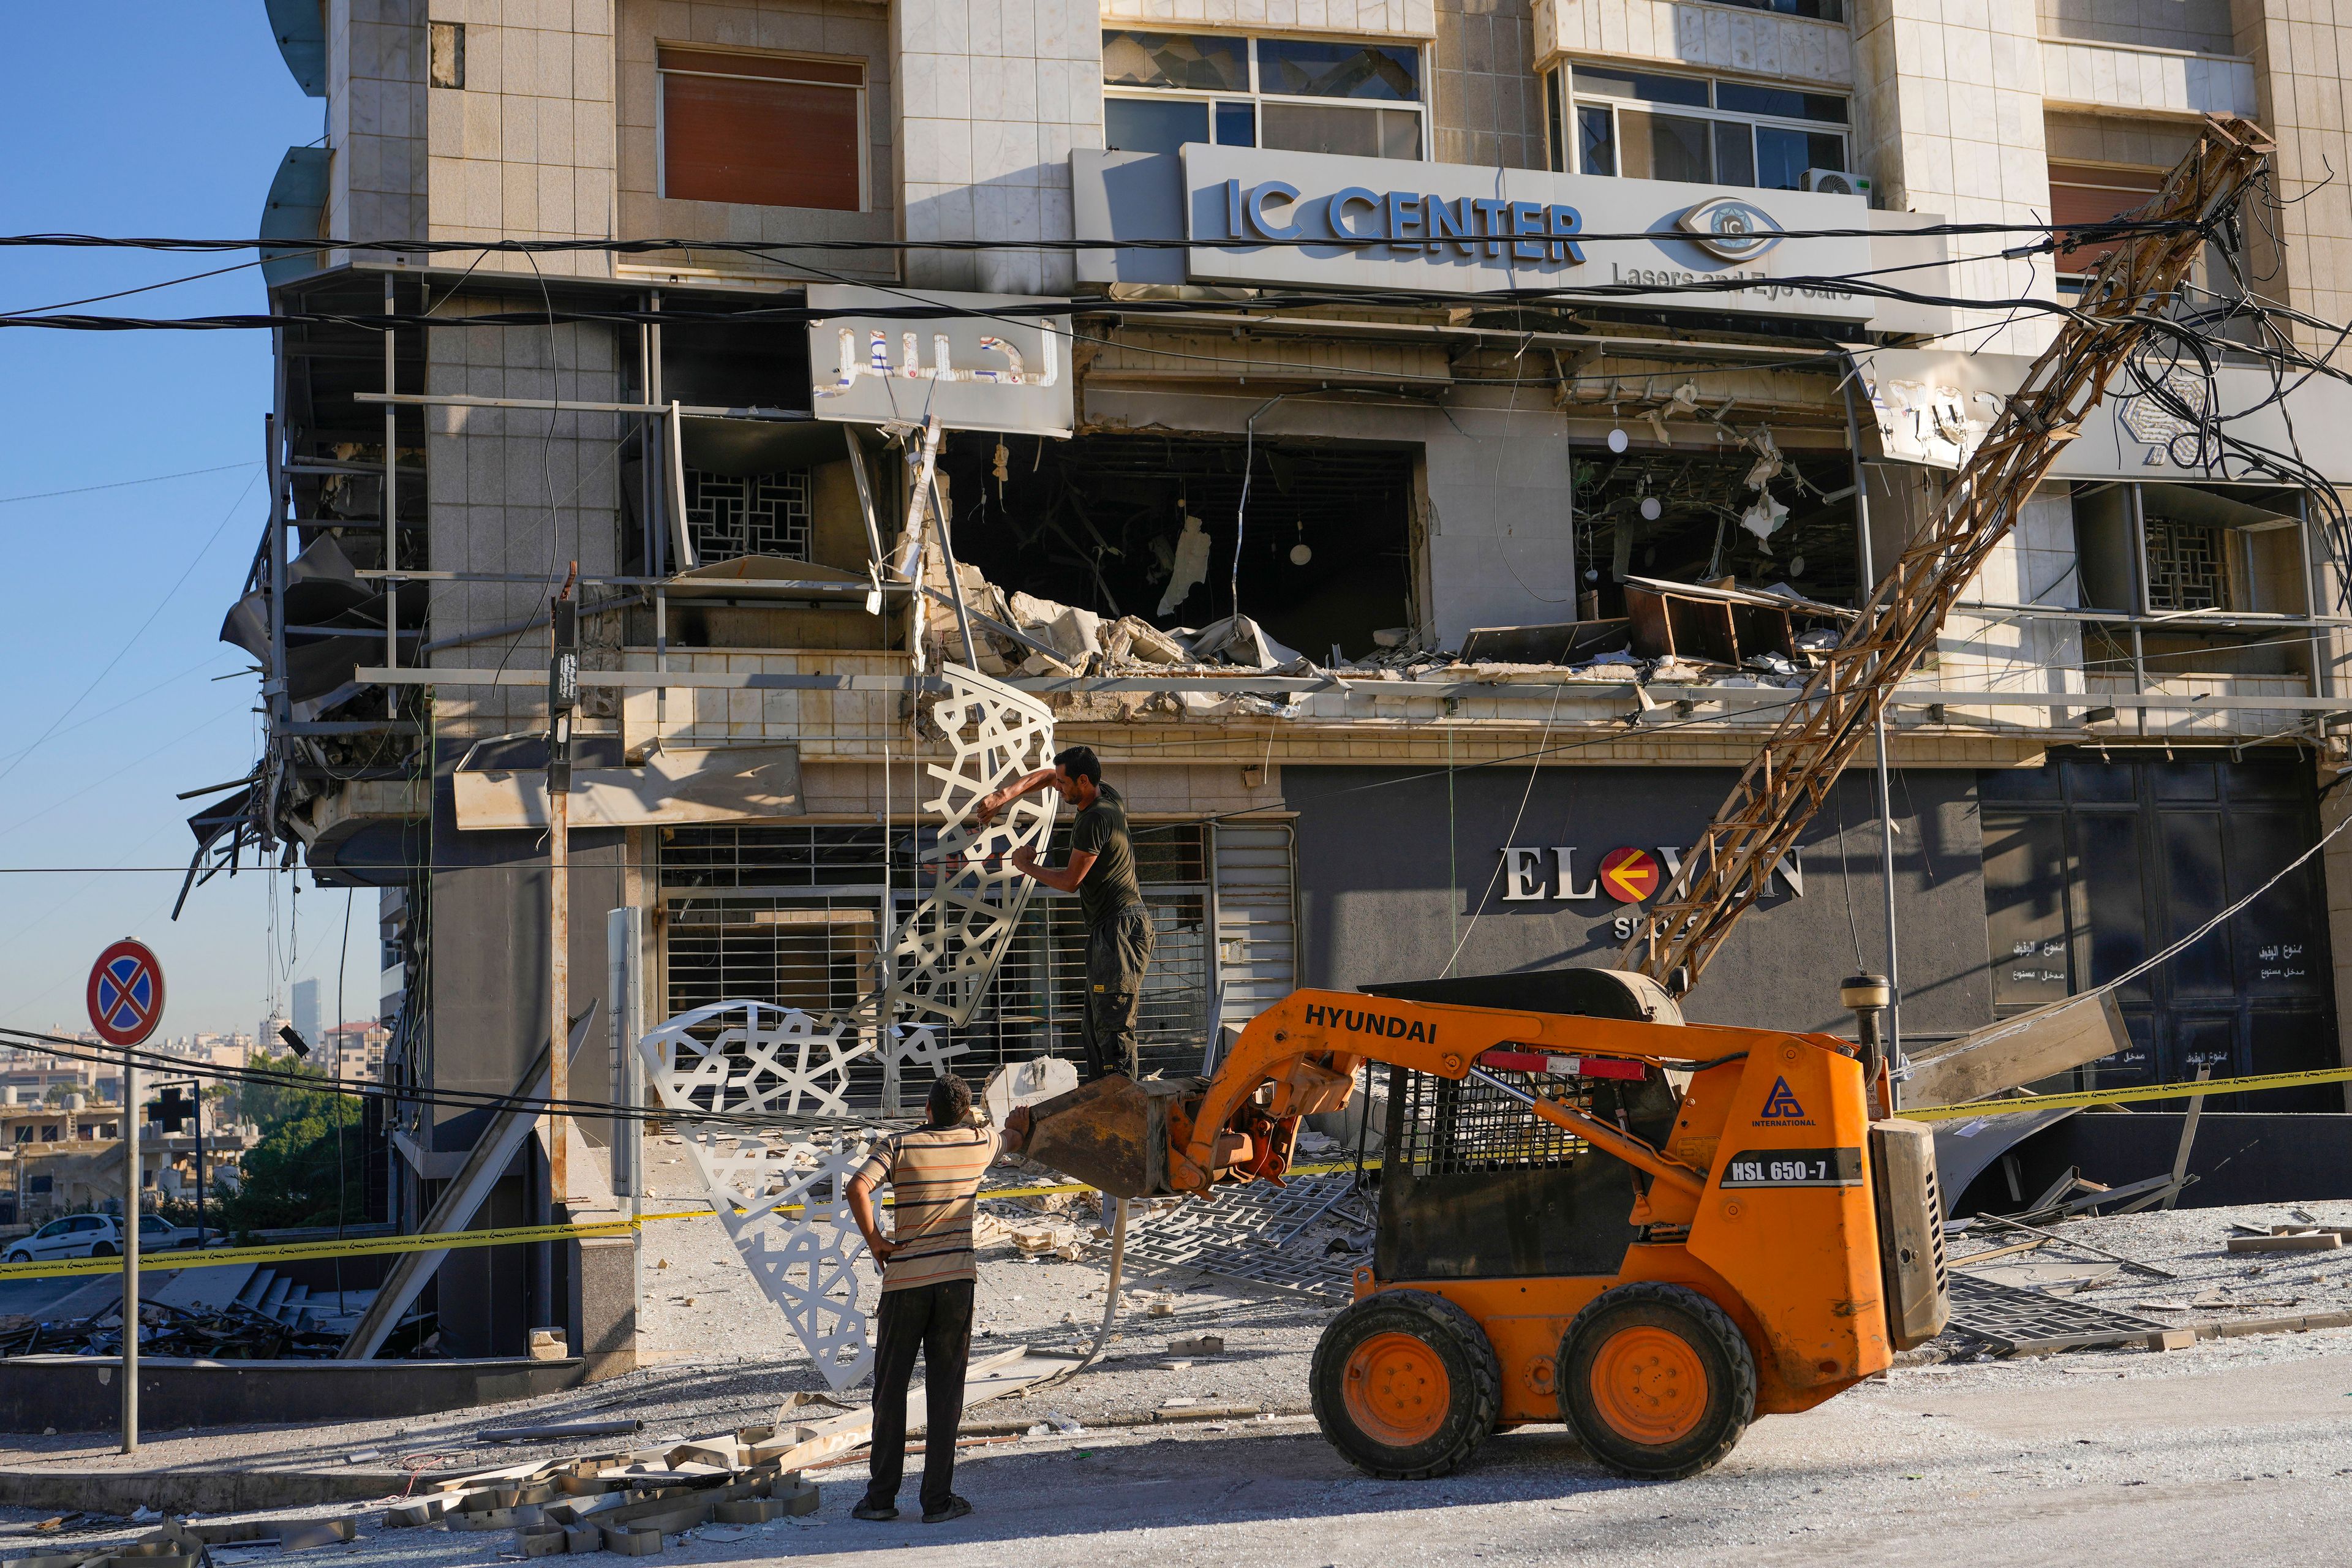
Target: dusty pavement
x=2237, y=1451
x=2239, y=1455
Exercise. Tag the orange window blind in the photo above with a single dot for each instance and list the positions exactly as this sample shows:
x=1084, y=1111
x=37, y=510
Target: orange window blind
x=2081, y=194
x=760, y=130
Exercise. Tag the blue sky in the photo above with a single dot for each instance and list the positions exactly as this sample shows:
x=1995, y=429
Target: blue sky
x=153, y=119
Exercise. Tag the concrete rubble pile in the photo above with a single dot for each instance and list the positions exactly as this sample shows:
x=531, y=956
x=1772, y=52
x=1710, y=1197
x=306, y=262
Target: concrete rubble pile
x=1721, y=634
x=181, y=1543
x=232, y=1331
x=628, y=1500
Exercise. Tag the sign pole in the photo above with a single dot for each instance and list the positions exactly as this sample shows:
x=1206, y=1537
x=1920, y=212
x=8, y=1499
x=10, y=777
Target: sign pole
x=125, y=998
x=130, y=1185
x=563, y=700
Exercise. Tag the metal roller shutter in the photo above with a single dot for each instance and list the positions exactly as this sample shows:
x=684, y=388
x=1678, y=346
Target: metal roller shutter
x=1256, y=918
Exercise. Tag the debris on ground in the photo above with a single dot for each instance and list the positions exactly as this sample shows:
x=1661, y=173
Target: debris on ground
x=2011, y=1307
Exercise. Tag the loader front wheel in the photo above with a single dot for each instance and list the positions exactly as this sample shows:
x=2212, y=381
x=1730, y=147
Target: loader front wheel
x=1405, y=1384
x=1656, y=1381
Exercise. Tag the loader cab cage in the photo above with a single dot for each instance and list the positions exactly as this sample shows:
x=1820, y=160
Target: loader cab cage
x=1439, y=1127
x=1477, y=1186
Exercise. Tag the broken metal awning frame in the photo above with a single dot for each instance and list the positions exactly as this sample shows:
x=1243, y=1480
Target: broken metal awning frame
x=1735, y=697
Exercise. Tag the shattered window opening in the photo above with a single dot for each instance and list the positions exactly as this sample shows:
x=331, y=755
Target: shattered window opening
x=1723, y=133
x=1170, y=88
x=1795, y=527
x=1144, y=525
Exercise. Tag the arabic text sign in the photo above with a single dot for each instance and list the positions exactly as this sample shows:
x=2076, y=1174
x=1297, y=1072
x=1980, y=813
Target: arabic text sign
x=1933, y=407
x=990, y=370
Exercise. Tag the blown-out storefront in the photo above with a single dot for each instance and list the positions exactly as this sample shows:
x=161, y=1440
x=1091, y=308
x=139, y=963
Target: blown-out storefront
x=2013, y=887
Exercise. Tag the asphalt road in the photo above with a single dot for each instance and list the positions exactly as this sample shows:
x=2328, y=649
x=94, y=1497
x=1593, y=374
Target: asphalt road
x=2138, y=1461
x=41, y=1297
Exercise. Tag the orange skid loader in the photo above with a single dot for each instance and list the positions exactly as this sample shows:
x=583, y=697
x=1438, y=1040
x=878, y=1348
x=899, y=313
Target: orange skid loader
x=1591, y=1212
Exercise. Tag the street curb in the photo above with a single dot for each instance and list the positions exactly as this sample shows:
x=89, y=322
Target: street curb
x=195, y=1492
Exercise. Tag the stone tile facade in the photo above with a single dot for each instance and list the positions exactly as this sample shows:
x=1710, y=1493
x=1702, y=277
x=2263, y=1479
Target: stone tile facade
x=376, y=118
x=525, y=150
x=993, y=93
x=1487, y=103
x=1948, y=120
x=2127, y=80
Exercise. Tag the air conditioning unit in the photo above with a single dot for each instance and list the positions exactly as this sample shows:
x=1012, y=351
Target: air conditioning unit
x=1836, y=183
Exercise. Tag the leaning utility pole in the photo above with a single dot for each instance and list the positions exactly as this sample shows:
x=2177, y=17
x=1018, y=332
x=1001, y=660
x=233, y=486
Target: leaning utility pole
x=1725, y=872
x=563, y=699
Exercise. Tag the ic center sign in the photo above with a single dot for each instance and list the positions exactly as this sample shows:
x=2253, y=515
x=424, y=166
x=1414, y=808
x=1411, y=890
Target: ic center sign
x=1375, y=223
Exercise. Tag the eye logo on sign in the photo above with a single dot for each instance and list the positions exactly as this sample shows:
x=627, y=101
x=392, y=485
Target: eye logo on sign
x=1730, y=229
x=1628, y=876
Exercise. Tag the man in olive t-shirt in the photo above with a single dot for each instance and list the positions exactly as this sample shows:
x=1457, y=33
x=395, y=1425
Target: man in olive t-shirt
x=1102, y=871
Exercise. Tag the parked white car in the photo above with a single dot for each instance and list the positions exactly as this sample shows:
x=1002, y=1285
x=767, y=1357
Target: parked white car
x=92, y=1236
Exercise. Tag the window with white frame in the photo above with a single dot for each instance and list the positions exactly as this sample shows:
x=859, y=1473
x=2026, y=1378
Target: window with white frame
x=1649, y=125
x=762, y=129
x=1301, y=95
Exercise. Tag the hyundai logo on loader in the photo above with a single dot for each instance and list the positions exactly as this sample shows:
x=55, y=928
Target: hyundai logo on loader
x=1380, y=1024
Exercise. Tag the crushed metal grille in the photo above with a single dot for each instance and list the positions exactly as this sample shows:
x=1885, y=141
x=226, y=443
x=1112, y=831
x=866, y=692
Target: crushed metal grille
x=749, y=515
x=2015, y=1321
x=1246, y=1234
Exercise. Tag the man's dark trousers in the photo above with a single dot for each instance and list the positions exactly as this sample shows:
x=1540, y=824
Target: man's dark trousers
x=1117, y=952
x=937, y=1321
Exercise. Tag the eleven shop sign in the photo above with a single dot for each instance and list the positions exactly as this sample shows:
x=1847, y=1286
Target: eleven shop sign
x=1626, y=874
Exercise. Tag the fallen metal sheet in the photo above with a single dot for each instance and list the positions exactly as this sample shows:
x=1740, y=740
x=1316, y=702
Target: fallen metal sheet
x=786, y=1210
x=459, y=1202
x=2061, y=1278
x=2027, y=1322
x=952, y=944
x=1965, y=1150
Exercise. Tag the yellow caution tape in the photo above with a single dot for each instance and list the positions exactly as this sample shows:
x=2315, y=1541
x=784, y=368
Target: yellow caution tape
x=2128, y=1095
x=450, y=1241
x=295, y=1251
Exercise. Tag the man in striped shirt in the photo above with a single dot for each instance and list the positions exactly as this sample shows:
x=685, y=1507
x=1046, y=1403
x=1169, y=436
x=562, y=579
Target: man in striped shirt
x=928, y=1275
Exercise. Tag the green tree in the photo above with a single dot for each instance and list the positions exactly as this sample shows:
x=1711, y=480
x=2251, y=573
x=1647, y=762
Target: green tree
x=306, y=1156
x=267, y=1105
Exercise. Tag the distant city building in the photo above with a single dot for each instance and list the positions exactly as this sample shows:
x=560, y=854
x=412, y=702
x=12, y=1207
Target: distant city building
x=309, y=1020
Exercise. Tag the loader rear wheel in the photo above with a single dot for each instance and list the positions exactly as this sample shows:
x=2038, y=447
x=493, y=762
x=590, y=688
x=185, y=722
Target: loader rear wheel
x=1656, y=1380
x=1405, y=1384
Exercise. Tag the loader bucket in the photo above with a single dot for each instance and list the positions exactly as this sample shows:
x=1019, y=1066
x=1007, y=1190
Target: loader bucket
x=1111, y=1133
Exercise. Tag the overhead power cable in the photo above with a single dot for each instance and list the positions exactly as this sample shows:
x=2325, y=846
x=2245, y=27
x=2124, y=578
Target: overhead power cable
x=122, y=484
x=2078, y=235
x=454, y=1098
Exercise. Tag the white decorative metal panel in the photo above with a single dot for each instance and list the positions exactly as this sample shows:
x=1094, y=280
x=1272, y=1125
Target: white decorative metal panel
x=785, y=1209
x=946, y=953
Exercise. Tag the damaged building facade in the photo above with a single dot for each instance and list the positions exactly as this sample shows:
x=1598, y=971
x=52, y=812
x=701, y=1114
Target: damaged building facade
x=1421, y=636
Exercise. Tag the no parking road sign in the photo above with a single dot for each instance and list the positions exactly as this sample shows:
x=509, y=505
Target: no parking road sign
x=126, y=994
